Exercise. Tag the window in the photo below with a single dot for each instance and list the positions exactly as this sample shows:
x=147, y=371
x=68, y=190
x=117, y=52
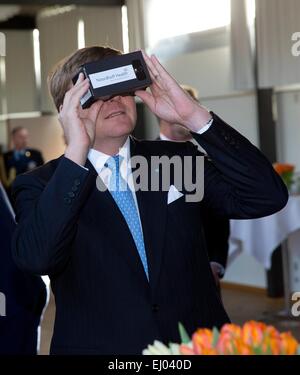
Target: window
x=169, y=18
x=80, y=34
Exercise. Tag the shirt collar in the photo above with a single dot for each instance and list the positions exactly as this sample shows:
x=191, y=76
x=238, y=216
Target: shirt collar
x=98, y=158
x=163, y=137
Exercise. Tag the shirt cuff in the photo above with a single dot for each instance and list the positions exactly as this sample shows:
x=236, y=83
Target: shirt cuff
x=206, y=127
x=220, y=269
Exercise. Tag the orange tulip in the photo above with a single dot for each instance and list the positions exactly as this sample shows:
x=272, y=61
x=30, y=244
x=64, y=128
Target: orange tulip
x=288, y=343
x=230, y=345
x=203, y=342
x=231, y=329
x=281, y=168
x=271, y=342
x=253, y=333
x=253, y=338
x=186, y=350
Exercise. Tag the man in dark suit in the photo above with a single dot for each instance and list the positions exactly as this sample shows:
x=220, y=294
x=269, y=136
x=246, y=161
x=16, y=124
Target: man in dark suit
x=21, y=158
x=216, y=228
x=25, y=295
x=126, y=265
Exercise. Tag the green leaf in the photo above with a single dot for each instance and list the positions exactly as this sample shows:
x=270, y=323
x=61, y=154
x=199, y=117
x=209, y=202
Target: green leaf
x=257, y=350
x=185, y=338
x=216, y=335
x=235, y=349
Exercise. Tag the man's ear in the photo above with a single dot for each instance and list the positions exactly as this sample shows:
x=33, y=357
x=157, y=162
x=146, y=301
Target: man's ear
x=60, y=108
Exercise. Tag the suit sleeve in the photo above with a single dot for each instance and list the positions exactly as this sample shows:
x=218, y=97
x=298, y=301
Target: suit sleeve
x=239, y=181
x=46, y=214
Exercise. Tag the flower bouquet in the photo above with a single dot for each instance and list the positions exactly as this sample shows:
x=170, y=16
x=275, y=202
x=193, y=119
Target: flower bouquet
x=286, y=172
x=253, y=338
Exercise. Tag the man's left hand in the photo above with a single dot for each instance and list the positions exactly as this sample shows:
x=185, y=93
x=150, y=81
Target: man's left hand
x=169, y=101
x=216, y=275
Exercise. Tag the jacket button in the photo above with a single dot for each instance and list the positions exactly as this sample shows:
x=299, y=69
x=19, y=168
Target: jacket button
x=155, y=307
x=77, y=182
x=71, y=194
x=67, y=200
x=74, y=188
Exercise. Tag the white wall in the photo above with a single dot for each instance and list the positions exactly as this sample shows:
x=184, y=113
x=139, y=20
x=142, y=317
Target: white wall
x=20, y=88
x=239, y=111
x=289, y=127
x=3, y=135
x=245, y=269
x=209, y=71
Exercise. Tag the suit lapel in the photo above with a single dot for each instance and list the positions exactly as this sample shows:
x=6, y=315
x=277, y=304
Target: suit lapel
x=153, y=213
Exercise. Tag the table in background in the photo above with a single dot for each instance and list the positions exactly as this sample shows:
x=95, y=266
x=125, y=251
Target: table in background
x=260, y=237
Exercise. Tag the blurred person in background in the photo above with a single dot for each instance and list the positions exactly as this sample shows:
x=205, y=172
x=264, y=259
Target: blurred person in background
x=216, y=228
x=24, y=296
x=21, y=158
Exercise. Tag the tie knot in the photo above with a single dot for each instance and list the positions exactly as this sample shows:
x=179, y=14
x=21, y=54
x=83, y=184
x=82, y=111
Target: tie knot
x=113, y=163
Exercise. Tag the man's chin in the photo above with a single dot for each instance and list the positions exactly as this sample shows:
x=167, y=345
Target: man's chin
x=117, y=127
x=121, y=130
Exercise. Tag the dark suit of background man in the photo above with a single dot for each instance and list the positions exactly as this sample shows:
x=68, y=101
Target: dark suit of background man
x=127, y=266
x=21, y=158
x=216, y=228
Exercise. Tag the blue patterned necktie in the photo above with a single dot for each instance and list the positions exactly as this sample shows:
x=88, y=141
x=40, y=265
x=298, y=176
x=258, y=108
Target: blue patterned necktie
x=123, y=197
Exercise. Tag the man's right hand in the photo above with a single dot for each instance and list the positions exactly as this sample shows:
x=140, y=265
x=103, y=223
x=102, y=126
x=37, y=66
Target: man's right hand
x=78, y=124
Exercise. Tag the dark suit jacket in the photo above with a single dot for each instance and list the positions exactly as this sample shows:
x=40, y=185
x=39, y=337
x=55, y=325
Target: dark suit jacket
x=25, y=296
x=216, y=230
x=76, y=234
x=31, y=158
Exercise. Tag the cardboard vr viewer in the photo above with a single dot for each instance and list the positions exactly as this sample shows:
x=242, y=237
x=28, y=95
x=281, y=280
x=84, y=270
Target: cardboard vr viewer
x=114, y=75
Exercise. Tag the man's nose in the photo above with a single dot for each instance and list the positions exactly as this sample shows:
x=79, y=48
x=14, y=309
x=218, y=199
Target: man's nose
x=116, y=98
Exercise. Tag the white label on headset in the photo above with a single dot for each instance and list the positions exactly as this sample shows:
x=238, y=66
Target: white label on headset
x=112, y=76
x=85, y=97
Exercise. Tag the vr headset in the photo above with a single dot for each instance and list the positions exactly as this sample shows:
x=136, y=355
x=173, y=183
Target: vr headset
x=114, y=75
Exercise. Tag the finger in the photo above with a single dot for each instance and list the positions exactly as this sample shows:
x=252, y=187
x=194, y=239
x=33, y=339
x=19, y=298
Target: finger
x=79, y=87
x=74, y=89
x=147, y=98
x=155, y=91
x=80, y=78
x=162, y=72
x=93, y=111
x=72, y=97
x=155, y=79
x=156, y=87
x=156, y=83
x=159, y=68
x=152, y=70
